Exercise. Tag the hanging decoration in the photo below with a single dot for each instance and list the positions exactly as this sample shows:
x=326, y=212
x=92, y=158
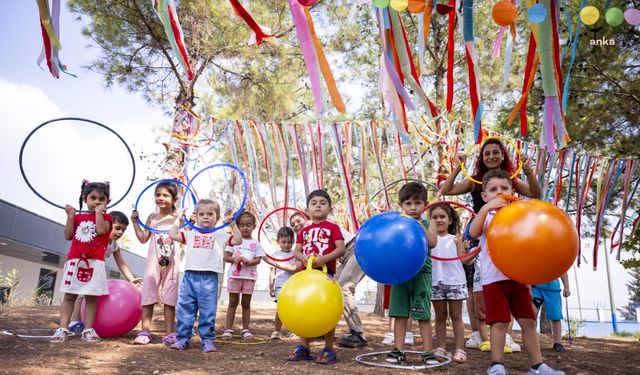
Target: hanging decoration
x=50, y=26
x=166, y=11
x=260, y=33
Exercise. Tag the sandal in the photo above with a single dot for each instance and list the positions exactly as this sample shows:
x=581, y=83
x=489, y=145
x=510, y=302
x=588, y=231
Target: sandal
x=300, y=353
x=90, y=335
x=440, y=352
x=170, y=339
x=327, y=357
x=429, y=359
x=142, y=338
x=460, y=356
x=227, y=335
x=60, y=335
x=275, y=335
x=246, y=335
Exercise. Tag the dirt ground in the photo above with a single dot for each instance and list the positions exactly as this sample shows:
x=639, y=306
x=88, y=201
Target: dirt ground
x=111, y=356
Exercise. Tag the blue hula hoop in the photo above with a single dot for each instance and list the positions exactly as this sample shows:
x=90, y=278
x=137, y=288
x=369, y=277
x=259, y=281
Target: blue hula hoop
x=235, y=216
x=135, y=207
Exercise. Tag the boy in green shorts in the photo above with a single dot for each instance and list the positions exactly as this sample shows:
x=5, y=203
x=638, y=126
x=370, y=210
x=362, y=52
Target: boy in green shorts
x=413, y=298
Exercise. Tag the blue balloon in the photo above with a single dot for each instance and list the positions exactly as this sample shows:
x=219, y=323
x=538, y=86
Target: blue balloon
x=391, y=248
x=537, y=13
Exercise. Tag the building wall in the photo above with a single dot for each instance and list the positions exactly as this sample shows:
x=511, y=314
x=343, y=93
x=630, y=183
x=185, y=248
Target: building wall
x=30, y=273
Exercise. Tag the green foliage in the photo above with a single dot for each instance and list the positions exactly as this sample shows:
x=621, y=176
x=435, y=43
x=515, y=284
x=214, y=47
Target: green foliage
x=629, y=311
x=575, y=325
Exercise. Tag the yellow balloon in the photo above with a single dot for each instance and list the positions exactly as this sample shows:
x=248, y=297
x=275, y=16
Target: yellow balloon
x=310, y=303
x=589, y=15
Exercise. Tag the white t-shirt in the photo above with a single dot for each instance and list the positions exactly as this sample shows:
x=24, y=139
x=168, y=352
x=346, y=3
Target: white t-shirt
x=112, y=247
x=447, y=272
x=249, y=249
x=489, y=272
x=477, y=277
x=282, y=275
x=205, y=251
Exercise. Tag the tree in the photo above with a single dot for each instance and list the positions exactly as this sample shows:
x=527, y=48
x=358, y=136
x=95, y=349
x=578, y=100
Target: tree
x=629, y=311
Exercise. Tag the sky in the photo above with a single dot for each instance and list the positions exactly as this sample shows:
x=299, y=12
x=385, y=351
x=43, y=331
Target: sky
x=30, y=96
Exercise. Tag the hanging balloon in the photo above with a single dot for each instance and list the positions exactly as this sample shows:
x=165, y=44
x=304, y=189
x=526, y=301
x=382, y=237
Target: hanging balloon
x=589, y=15
x=537, y=13
x=614, y=17
x=504, y=13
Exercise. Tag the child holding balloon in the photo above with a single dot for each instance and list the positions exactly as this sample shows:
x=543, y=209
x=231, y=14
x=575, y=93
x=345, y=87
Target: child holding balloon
x=282, y=270
x=413, y=298
x=504, y=297
x=449, y=279
x=244, y=258
x=322, y=239
x=203, y=263
x=84, y=272
x=160, y=283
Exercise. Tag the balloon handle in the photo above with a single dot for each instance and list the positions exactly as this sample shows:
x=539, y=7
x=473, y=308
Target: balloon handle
x=310, y=264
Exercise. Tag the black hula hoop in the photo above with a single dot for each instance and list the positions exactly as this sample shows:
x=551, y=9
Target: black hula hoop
x=24, y=176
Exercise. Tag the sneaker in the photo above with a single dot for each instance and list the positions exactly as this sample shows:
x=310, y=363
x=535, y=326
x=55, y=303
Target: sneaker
x=76, y=327
x=474, y=340
x=207, y=346
x=181, y=344
x=300, y=353
x=60, y=335
x=142, y=338
x=497, y=369
x=408, y=338
x=396, y=356
x=388, y=339
x=558, y=347
x=353, y=340
x=515, y=347
x=275, y=335
x=429, y=358
x=327, y=357
x=544, y=370
x=90, y=335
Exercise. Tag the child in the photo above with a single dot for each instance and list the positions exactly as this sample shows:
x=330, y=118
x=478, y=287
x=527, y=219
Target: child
x=324, y=240
x=449, y=279
x=549, y=294
x=84, y=271
x=245, y=258
x=160, y=282
x=120, y=223
x=198, y=290
x=504, y=297
x=413, y=298
x=281, y=271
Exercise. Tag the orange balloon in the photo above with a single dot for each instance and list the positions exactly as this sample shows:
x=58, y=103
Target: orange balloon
x=532, y=242
x=504, y=13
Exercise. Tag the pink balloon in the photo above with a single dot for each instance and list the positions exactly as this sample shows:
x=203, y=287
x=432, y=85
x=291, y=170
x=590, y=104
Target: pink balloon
x=307, y=3
x=118, y=312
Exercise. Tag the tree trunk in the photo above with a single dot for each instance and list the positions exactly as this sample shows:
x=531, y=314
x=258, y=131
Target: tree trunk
x=379, y=308
x=545, y=324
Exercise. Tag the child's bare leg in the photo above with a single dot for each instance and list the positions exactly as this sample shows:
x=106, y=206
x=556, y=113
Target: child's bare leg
x=90, y=303
x=147, y=315
x=169, y=319
x=455, y=312
x=440, y=307
x=234, y=299
x=75, y=316
x=425, y=331
x=391, y=323
x=556, y=328
x=529, y=339
x=471, y=312
x=246, y=310
x=483, y=330
x=399, y=330
x=328, y=339
x=66, y=309
x=278, y=323
x=305, y=342
x=498, y=336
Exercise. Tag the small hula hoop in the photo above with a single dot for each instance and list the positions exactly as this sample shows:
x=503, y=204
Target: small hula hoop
x=362, y=360
x=461, y=257
x=173, y=181
x=464, y=169
x=235, y=216
x=42, y=337
x=397, y=182
x=24, y=143
x=257, y=341
x=265, y=219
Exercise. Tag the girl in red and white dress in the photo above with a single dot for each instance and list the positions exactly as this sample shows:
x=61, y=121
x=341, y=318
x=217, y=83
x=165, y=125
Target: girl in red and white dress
x=84, y=272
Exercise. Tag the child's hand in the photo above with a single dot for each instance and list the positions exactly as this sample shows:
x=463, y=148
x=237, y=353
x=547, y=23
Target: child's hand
x=134, y=216
x=458, y=159
x=457, y=239
x=272, y=292
x=101, y=208
x=566, y=292
x=496, y=204
x=137, y=282
x=70, y=210
x=319, y=261
x=228, y=216
x=526, y=166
